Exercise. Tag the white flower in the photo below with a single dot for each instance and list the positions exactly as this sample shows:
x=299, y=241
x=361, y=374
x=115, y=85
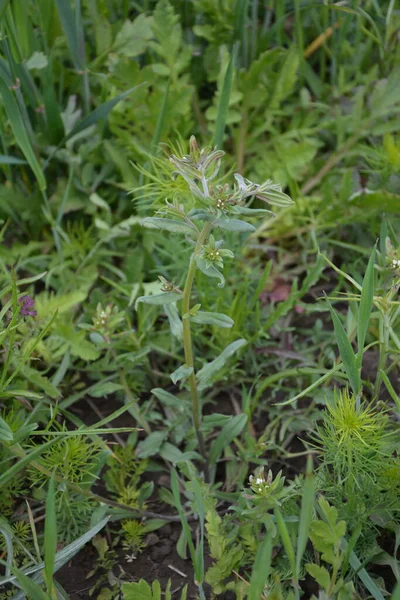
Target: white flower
x=130, y=557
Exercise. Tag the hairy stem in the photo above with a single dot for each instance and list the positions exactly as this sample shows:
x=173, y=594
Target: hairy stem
x=187, y=344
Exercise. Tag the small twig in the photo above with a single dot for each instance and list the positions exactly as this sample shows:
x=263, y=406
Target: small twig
x=177, y=570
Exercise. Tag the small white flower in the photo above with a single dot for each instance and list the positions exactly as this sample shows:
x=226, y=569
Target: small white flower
x=130, y=557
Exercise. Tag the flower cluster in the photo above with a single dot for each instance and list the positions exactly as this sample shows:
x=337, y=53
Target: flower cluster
x=393, y=257
x=395, y=265
x=168, y=286
x=213, y=254
x=202, y=166
x=199, y=165
x=27, y=304
x=269, y=490
x=105, y=321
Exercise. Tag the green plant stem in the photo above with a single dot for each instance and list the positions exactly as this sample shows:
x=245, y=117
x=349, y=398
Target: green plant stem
x=384, y=337
x=187, y=344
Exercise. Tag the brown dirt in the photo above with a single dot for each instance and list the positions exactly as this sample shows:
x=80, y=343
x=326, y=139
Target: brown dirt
x=159, y=560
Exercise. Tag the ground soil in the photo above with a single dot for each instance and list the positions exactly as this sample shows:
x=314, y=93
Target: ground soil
x=159, y=560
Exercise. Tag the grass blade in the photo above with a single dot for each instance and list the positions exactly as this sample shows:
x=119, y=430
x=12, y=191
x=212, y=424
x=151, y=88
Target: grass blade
x=31, y=589
x=346, y=352
x=68, y=23
x=261, y=568
x=367, y=297
x=160, y=119
x=306, y=513
x=20, y=133
x=184, y=522
x=101, y=112
x=50, y=537
x=3, y=7
x=223, y=104
x=285, y=537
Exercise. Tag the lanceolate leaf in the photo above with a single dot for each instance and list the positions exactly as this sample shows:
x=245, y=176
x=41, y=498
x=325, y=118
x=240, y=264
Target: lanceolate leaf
x=367, y=297
x=278, y=198
x=306, y=514
x=346, y=352
x=181, y=374
x=68, y=21
x=21, y=136
x=210, y=369
x=99, y=113
x=175, y=323
x=234, y=225
x=159, y=299
x=50, y=537
x=228, y=433
x=253, y=212
x=210, y=318
x=261, y=568
x=223, y=104
x=169, y=225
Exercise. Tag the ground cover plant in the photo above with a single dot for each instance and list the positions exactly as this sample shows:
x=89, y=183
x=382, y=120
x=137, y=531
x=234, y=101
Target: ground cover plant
x=199, y=299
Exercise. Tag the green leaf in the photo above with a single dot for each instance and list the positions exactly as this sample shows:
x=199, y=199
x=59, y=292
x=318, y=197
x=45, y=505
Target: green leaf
x=320, y=574
x=346, y=352
x=211, y=318
x=306, y=514
x=253, y=212
x=181, y=373
x=40, y=381
x=285, y=537
x=174, y=455
x=210, y=369
x=210, y=270
x=50, y=537
x=175, y=323
x=169, y=225
x=3, y=7
x=228, y=433
x=137, y=591
x=234, y=225
x=133, y=37
x=151, y=445
x=69, y=22
x=368, y=582
x=105, y=388
x=261, y=568
x=277, y=198
x=31, y=589
x=38, y=60
x=159, y=299
x=19, y=131
x=366, y=301
x=6, y=434
x=223, y=104
x=168, y=399
x=11, y=160
x=185, y=525
x=390, y=389
x=286, y=79
x=99, y=113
